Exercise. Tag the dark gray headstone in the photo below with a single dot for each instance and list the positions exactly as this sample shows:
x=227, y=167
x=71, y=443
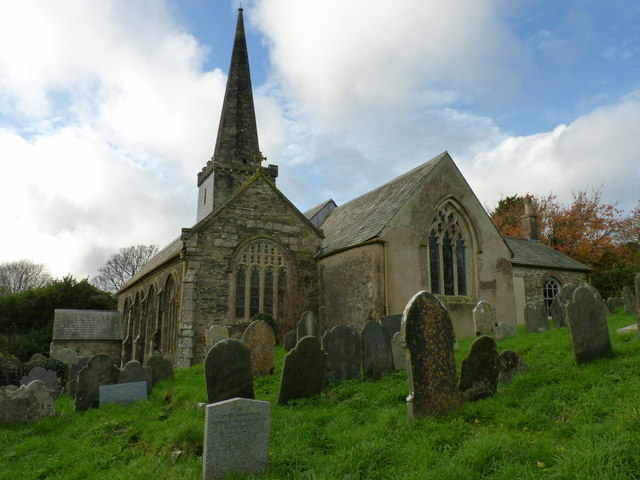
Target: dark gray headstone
x=629, y=300
x=26, y=403
x=73, y=374
x=100, y=370
x=588, y=328
x=511, y=364
x=397, y=350
x=133, y=371
x=48, y=377
x=227, y=371
x=123, y=393
x=308, y=325
x=504, y=330
x=596, y=294
x=289, y=340
x=392, y=324
x=261, y=340
x=342, y=346
x=480, y=369
x=484, y=318
x=161, y=368
x=303, y=371
x=377, y=358
x=559, y=303
x=431, y=367
x=236, y=437
x=535, y=317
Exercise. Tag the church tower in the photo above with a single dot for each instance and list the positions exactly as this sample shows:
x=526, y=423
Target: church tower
x=237, y=154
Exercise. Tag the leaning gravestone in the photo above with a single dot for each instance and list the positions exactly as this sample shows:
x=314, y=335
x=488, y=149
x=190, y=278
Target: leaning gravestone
x=48, y=377
x=73, y=374
x=303, y=371
x=392, y=324
x=504, y=330
x=399, y=360
x=161, y=368
x=289, y=340
x=587, y=326
x=66, y=356
x=484, y=318
x=216, y=333
x=377, y=358
x=26, y=403
x=431, y=367
x=480, y=369
x=123, y=393
x=227, y=371
x=100, y=370
x=511, y=364
x=133, y=371
x=308, y=325
x=342, y=346
x=629, y=300
x=559, y=304
x=236, y=437
x=261, y=339
x=535, y=317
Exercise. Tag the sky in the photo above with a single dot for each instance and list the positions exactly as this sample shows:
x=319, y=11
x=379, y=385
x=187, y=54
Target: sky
x=109, y=109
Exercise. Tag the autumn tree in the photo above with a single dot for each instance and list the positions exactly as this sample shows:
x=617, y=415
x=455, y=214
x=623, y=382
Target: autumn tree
x=16, y=277
x=122, y=266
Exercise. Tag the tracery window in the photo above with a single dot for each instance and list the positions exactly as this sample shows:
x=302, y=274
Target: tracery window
x=447, y=257
x=550, y=289
x=260, y=279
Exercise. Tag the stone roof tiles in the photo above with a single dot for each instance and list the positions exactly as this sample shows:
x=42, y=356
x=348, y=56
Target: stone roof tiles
x=531, y=253
x=71, y=324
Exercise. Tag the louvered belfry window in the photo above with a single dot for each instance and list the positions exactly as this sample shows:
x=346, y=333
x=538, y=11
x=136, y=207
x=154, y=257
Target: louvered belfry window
x=447, y=270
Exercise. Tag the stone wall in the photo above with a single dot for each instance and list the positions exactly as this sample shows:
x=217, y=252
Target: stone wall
x=112, y=348
x=534, y=280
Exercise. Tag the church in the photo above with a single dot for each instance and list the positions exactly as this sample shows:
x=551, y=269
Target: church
x=252, y=252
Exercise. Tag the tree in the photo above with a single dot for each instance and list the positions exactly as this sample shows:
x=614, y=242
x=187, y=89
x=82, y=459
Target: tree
x=122, y=266
x=22, y=275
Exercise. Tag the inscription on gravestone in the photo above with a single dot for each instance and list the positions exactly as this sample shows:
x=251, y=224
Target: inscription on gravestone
x=123, y=393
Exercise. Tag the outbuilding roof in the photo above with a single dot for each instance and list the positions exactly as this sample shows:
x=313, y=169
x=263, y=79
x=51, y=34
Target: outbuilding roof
x=531, y=253
x=71, y=324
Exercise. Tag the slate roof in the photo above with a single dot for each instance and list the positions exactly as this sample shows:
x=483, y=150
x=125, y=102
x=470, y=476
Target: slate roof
x=160, y=258
x=531, y=253
x=312, y=212
x=86, y=325
x=365, y=217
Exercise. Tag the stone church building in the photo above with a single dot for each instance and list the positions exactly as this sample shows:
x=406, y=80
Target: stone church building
x=253, y=252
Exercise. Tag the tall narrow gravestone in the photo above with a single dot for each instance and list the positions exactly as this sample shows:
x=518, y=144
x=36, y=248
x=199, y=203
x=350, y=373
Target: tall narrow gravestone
x=484, y=318
x=431, y=367
x=588, y=328
x=399, y=360
x=308, y=325
x=342, y=346
x=100, y=370
x=377, y=358
x=236, y=437
x=261, y=339
x=227, y=371
x=535, y=317
x=303, y=371
x=480, y=369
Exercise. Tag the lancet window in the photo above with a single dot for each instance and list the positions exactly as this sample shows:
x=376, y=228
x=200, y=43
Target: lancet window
x=550, y=289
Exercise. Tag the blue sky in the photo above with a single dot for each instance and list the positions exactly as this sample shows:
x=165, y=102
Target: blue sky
x=108, y=109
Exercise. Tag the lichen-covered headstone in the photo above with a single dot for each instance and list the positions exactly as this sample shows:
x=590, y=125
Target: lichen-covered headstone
x=227, y=371
x=504, y=330
x=26, y=403
x=236, y=437
x=215, y=333
x=261, y=339
x=161, y=368
x=629, y=300
x=511, y=364
x=308, y=325
x=303, y=371
x=48, y=377
x=559, y=304
x=535, y=317
x=133, y=371
x=596, y=293
x=377, y=358
x=484, y=318
x=66, y=356
x=587, y=326
x=100, y=370
x=431, y=367
x=397, y=350
x=480, y=369
x=289, y=340
x=342, y=346
x=392, y=324
x=73, y=374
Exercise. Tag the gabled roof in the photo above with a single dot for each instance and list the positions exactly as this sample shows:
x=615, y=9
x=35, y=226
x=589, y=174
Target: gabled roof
x=163, y=256
x=531, y=253
x=312, y=212
x=71, y=324
x=365, y=217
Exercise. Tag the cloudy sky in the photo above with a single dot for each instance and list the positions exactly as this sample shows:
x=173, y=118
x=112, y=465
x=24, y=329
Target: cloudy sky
x=109, y=108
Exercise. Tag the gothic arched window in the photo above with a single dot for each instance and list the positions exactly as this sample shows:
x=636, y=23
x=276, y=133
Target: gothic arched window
x=550, y=289
x=447, y=257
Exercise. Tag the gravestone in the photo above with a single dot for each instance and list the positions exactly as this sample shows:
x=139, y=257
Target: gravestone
x=161, y=368
x=377, y=358
x=535, y=317
x=392, y=324
x=342, y=346
x=236, y=438
x=289, y=340
x=261, y=339
x=629, y=300
x=559, y=304
x=37, y=357
x=48, y=377
x=504, y=330
x=123, y=393
x=133, y=371
x=431, y=367
x=596, y=294
x=614, y=303
x=480, y=369
x=587, y=326
x=216, y=333
x=308, y=325
x=399, y=358
x=637, y=288
x=227, y=371
x=303, y=371
x=73, y=374
x=26, y=403
x=100, y=370
x=66, y=356
x=511, y=364
x=484, y=318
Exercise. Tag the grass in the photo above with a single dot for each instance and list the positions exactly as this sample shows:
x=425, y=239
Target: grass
x=559, y=420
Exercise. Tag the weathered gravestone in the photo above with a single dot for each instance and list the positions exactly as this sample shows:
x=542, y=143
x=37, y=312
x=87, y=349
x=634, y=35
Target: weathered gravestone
x=49, y=378
x=342, y=346
x=480, y=369
x=511, y=364
x=484, y=318
x=26, y=403
x=123, y=393
x=236, y=438
x=73, y=374
x=629, y=300
x=431, y=367
x=559, y=304
x=377, y=358
x=303, y=371
x=397, y=350
x=308, y=325
x=289, y=340
x=504, y=330
x=161, y=368
x=261, y=339
x=392, y=324
x=100, y=370
x=133, y=371
x=66, y=356
x=535, y=317
x=37, y=357
x=587, y=326
x=613, y=303
x=596, y=293
x=216, y=333
x=227, y=371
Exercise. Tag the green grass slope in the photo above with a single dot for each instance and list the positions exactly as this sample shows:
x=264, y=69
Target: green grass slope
x=558, y=420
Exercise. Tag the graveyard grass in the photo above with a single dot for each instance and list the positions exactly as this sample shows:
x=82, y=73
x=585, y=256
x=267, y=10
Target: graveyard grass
x=558, y=420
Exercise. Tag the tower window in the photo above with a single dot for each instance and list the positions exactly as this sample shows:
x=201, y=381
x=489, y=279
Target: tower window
x=447, y=269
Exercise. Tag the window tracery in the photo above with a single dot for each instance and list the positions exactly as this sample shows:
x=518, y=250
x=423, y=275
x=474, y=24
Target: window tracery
x=447, y=257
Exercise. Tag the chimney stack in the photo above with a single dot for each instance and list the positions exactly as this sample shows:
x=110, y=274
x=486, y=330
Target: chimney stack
x=529, y=220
